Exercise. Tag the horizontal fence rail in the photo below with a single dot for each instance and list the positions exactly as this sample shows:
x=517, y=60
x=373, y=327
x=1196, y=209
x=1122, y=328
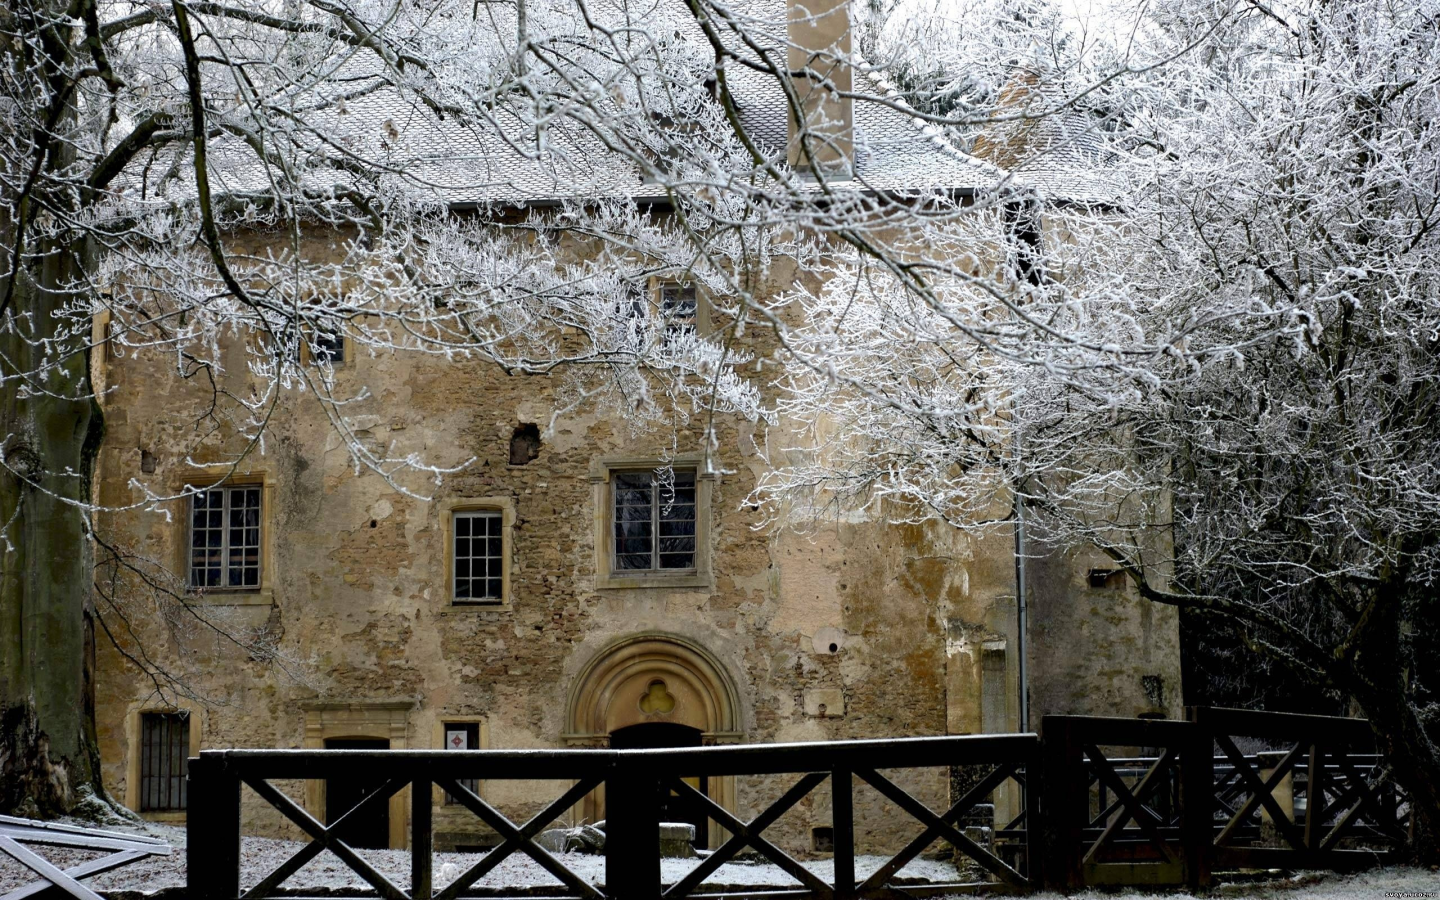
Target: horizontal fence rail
x=1102, y=802
x=635, y=782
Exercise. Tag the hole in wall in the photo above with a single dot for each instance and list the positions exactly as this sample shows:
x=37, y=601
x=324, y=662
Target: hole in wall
x=822, y=839
x=834, y=648
x=373, y=523
x=1110, y=579
x=147, y=462
x=524, y=443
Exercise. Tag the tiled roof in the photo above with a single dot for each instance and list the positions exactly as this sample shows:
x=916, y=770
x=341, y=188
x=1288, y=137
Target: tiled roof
x=894, y=151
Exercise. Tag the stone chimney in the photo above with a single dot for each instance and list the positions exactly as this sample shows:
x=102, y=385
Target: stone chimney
x=819, y=60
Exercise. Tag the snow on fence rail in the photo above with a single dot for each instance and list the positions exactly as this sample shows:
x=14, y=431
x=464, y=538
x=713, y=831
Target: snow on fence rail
x=1103, y=801
x=632, y=859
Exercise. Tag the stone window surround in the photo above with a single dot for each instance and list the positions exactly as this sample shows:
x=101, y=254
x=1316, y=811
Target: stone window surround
x=438, y=742
x=602, y=504
x=386, y=719
x=132, y=756
x=264, y=595
x=347, y=347
x=702, y=305
x=448, y=507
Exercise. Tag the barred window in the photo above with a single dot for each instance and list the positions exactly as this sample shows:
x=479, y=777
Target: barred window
x=462, y=736
x=164, y=749
x=654, y=521
x=225, y=538
x=479, y=556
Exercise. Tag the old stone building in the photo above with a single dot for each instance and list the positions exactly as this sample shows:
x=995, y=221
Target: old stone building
x=512, y=611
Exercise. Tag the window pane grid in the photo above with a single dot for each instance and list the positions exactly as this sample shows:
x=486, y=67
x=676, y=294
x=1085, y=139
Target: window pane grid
x=677, y=305
x=654, y=524
x=225, y=538
x=328, y=347
x=164, y=748
x=478, y=557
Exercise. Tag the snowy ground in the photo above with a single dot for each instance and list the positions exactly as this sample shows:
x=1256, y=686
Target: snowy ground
x=326, y=872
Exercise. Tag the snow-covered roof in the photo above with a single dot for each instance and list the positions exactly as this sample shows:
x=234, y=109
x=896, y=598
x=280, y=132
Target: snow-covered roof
x=498, y=163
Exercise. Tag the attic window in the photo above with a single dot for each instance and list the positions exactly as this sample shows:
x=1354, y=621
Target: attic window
x=524, y=444
x=1107, y=579
x=678, y=306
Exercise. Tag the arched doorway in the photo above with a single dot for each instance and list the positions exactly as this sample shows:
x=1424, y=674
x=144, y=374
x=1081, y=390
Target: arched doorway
x=656, y=690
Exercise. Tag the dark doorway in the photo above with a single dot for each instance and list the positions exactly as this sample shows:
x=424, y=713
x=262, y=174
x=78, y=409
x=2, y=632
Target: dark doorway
x=657, y=735
x=372, y=827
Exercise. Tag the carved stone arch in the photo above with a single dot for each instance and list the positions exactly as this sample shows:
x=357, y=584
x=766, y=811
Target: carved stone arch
x=654, y=677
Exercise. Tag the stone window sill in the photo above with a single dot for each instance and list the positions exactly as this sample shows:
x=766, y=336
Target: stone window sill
x=608, y=581
x=463, y=608
x=262, y=597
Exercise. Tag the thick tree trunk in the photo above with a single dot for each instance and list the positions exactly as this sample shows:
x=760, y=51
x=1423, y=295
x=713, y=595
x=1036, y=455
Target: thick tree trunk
x=1377, y=683
x=48, y=759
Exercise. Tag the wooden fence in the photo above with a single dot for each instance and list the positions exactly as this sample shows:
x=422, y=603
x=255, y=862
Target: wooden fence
x=634, y=781
x=1104, y=801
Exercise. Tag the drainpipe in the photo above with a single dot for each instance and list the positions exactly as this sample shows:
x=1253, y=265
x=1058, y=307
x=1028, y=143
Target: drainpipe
x=1021, y=615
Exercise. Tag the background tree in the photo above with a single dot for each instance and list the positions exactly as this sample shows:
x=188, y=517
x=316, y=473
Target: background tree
x=1274, y=246
x=216, y=187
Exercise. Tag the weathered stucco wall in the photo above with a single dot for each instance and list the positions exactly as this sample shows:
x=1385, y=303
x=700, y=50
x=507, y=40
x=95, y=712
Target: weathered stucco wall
x=861, y=630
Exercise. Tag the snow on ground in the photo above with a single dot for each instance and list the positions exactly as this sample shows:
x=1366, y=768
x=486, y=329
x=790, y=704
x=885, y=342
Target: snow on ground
x=261, y=855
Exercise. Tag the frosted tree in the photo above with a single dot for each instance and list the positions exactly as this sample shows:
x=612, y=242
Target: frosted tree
x=213, y=187
x=1244, y=414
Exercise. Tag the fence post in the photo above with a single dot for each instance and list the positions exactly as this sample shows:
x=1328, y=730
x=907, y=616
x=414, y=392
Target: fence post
x=842, y=822
x=1064, y=801
x=212, y=826
x=422, y=839
x=1197, y=799
x=632, y=832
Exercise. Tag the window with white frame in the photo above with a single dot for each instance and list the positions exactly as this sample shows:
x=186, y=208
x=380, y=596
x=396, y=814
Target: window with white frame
x=653, y=520
x=478, y=556
x=225, y=543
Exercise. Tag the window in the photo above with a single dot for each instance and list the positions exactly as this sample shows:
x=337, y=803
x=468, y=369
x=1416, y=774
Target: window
x=654, y=520
x=678, y=307
x=328, y=347
x=164, y=748
x=478, y=560
x=462, y=736
x=225, y=538
x=675, y=304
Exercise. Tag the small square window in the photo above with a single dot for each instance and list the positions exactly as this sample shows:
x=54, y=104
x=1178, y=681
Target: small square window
x=328, y=346
x=462, y=736
x=478, y=557
x=225, y=545
x=678, y=307
x=653, y=521
x=164, y=754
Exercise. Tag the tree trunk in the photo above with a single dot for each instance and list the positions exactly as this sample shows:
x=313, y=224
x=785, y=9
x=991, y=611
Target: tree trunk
x=1377, y=684
x=48, y=758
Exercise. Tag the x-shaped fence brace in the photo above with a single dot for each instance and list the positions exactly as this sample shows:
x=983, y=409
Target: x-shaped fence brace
x=745, y=834
x=15, y=833
x=324, y=838
x=514, y=839
x=1358, y=796
x=1261, y=792
x=519, y=838
x=1131, y=803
